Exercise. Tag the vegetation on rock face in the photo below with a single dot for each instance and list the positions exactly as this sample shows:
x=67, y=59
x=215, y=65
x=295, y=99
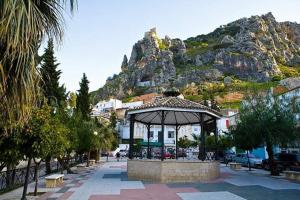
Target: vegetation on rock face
x=288, y=71
x=226, y=96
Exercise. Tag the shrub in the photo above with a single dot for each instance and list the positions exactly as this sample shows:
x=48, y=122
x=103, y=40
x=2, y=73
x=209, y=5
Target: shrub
x=288, y=71
x=277, y=78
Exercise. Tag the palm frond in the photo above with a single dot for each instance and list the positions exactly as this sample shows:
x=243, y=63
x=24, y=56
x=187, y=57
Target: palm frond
x=23, y=26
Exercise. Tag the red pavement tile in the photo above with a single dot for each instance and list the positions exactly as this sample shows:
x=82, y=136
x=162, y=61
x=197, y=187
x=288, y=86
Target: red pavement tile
x=65, y=196
x=45, y=196
x=151, y=192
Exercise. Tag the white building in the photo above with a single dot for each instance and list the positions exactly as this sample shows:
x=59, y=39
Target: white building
x=227, y=120
x=106, y=106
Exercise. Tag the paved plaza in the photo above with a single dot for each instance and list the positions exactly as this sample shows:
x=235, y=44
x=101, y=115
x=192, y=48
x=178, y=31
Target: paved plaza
x=108, y=181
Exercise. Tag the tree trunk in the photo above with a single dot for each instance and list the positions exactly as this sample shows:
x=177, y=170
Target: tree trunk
x=100, y=152
x=273, y=167
x=97, y=155
x=48, y=164
x=60, y=161
x=26, y=180
x=249, y=165
x=8, y=175
x=67, y=165
x=88, y=159
x=13, y=175
x=36, y=176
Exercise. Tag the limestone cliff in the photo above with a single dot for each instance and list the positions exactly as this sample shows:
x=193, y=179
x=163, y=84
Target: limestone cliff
x=255, y=49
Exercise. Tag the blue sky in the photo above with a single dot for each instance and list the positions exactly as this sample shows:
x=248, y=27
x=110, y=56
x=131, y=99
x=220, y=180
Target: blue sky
x=102, y=31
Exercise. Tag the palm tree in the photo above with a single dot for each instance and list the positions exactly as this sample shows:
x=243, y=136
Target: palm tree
x=24, y=25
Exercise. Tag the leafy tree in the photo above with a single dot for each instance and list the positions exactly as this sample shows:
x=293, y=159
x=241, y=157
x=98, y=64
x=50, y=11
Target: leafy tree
x=50, y=77
x=71, y=121
x=87, y=137
x=83, y=97
x=113, y=120
x=52, y=90
x=113, y=125
x=225, y=142
x=44, y=135
x=72, y=100
x=264, y=121
x=10, y=155
x=106, y=136
x=184, y=142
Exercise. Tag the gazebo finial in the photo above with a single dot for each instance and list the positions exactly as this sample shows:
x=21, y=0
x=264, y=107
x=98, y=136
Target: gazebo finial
x=172, y=91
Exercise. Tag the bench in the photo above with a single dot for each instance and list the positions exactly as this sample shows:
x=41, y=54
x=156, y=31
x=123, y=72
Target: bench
x=235, y=166
x=53, y=180
x=92, y=162
x=292, y=175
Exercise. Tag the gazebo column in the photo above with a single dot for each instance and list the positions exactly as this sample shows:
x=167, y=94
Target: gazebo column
x=176, y=132
x=216, y=138
x=162, y=136
x=131, y=135
x=201, y=155
x=148, y=138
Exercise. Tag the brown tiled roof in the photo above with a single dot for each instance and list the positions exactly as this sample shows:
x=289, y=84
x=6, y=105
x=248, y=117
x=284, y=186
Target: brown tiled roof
x=174, y=102
x=146, y=98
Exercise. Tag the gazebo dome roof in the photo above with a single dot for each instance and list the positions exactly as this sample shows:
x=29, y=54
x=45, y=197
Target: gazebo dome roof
x=179, y=111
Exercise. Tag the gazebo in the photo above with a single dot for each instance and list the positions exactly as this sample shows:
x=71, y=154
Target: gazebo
x=172, y=110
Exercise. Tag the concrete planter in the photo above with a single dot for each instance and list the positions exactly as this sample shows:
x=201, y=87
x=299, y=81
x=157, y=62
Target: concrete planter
x=173, y=170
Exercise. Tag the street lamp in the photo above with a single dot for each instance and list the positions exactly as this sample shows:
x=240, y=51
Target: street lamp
x=97, y=154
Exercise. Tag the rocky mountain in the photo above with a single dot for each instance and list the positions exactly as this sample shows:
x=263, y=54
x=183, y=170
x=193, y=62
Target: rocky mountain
x=255, y=49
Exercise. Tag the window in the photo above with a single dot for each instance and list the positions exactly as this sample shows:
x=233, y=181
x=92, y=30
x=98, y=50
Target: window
x=170, y=134
x=151, y=134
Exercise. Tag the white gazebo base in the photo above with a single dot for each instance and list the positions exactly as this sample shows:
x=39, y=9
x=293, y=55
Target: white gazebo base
x=171, y=171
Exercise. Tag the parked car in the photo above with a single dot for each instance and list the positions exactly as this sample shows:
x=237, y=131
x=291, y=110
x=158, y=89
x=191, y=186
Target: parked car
x=284, y=161
x=167, y=155
x=243, y=159
x=104, y=154
x=181, y=153
x=228, y=156
x=123, y=153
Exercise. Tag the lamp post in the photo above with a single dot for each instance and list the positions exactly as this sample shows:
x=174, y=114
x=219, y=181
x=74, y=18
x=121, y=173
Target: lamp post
x=97, y=150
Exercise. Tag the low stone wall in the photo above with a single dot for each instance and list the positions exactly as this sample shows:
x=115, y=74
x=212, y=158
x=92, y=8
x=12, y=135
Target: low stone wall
x=172, y=170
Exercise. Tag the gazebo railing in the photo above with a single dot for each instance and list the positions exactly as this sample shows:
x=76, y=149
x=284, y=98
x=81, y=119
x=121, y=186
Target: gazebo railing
x=211, y=153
